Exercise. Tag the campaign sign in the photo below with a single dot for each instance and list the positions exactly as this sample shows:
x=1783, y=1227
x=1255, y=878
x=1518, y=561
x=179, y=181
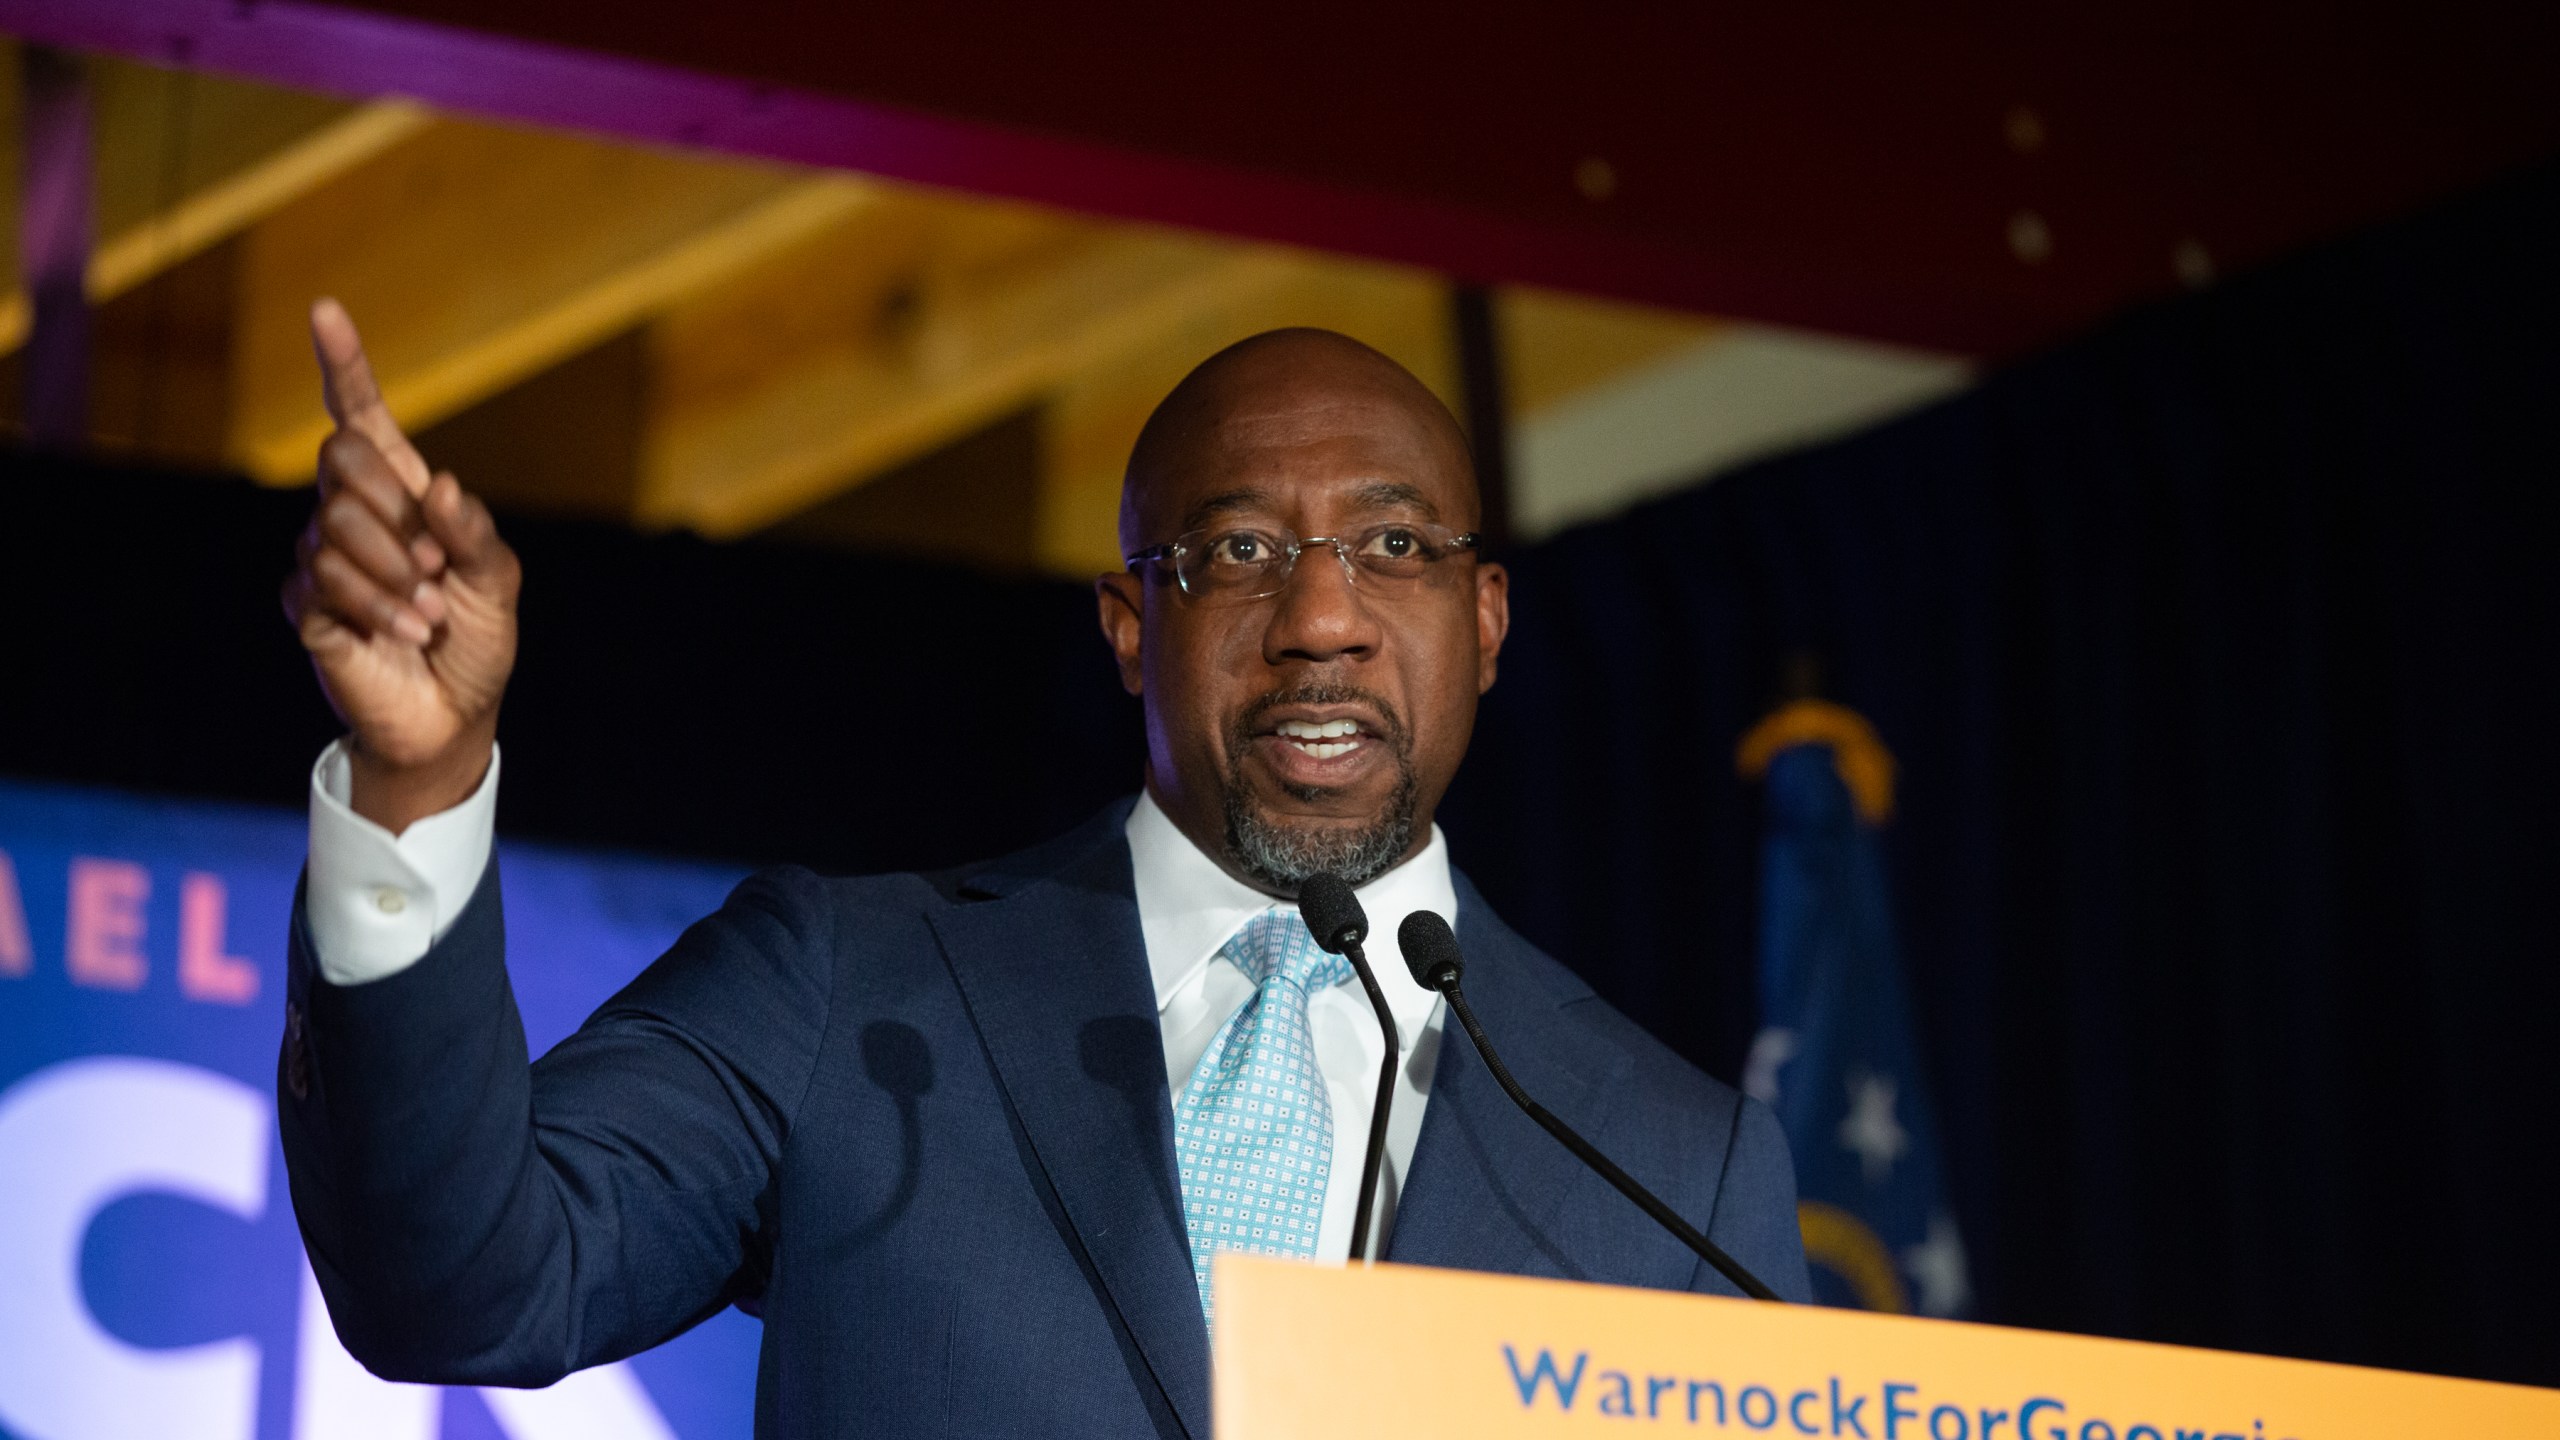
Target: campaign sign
x=152, y=1283
x=1405, y=1354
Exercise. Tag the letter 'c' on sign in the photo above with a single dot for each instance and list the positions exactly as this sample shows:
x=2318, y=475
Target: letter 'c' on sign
x=74, y=1138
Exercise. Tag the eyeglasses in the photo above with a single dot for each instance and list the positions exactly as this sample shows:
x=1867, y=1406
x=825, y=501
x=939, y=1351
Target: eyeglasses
x=1250, y=564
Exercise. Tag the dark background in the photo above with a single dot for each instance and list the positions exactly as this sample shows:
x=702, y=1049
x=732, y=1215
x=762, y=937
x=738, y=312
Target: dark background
x=2213, y=647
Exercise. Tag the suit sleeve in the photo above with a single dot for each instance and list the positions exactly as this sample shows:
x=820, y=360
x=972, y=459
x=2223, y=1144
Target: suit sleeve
x=473, y=1219
x=1755, y=1214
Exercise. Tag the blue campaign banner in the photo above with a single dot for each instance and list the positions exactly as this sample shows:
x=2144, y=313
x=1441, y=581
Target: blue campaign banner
x=152, y=1284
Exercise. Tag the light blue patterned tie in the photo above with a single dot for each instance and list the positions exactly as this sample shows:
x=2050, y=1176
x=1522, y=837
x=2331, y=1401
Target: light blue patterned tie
x=1253, y=1134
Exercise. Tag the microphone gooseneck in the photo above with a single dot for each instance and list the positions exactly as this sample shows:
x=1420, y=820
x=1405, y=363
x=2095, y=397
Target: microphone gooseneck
x=1334, y=917
x=1431, y=952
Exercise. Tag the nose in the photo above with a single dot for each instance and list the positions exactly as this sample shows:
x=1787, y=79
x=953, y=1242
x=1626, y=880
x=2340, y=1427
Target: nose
x=1320, y=615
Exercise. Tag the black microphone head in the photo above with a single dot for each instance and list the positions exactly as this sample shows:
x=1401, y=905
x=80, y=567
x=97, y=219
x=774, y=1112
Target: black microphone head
x=1332, y=912
x=1430, y=951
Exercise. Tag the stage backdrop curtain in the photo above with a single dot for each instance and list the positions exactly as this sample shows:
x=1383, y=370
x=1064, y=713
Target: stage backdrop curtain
x=2217, y=653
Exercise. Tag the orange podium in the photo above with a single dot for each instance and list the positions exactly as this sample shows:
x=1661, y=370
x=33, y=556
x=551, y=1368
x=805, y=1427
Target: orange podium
x=1401, y=1353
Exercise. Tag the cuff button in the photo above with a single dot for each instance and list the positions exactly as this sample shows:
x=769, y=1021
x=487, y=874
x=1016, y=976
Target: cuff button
x=390, y=902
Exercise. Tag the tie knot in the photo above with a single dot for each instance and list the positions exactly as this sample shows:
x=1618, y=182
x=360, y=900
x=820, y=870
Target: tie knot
x=1277, y=942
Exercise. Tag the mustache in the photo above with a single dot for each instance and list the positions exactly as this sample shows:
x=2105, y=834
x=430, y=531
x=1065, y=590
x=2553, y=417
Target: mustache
x=1317, y=692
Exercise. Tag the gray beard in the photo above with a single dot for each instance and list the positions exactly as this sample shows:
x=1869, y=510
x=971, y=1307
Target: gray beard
x=1281, y=856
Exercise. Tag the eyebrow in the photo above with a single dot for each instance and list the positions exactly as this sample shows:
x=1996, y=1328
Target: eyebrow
x=1393, y=495
x=1226, y=502
x=1374, y=495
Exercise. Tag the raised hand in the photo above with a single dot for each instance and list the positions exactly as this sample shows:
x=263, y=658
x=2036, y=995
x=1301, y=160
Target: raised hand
x=405, y=597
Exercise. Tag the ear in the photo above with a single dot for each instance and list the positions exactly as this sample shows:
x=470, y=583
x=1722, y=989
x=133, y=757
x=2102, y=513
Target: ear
x=1122, y=598
x=1493, y=620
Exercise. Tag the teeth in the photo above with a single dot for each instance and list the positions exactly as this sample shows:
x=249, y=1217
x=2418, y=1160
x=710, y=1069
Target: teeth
x=1309, y=730
x=1323, y=741
x=1327, y=752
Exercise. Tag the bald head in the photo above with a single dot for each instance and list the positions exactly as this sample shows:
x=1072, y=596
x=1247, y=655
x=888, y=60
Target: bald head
x=1273, y=403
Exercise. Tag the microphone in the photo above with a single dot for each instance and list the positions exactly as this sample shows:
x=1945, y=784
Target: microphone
x=1334, y=917
x=1431, y=952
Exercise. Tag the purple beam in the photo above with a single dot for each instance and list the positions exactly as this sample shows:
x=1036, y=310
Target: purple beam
x=53, y=246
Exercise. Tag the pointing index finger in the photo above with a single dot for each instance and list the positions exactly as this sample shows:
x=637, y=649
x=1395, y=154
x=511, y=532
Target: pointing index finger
x=347, y=387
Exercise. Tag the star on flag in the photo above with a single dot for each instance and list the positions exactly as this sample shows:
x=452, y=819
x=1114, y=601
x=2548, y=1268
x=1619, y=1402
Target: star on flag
x=1871, y=1131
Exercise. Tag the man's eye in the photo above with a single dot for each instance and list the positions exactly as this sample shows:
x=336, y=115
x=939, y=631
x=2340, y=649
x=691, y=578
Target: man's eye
x=1240, y=548
x=1395, y=543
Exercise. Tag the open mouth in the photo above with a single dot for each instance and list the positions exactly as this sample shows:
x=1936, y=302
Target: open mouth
x=1323, y=739
x=1317, y=739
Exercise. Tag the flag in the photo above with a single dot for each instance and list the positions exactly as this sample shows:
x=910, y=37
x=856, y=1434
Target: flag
x=1835, y=1055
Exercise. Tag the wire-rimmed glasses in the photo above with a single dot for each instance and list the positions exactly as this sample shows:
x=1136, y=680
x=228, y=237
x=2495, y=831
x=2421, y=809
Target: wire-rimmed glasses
x=1253, y=563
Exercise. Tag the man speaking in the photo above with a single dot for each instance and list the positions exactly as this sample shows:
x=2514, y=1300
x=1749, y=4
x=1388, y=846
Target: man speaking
x=968, y=1141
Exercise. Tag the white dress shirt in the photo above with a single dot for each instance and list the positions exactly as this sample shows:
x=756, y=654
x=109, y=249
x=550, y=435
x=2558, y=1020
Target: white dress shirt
x=376, y=902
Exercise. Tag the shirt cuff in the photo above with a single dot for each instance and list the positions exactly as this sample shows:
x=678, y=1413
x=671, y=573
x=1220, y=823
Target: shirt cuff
x=377, y=902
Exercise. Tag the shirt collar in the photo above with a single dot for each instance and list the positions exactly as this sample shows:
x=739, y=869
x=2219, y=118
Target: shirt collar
x=1188, y=907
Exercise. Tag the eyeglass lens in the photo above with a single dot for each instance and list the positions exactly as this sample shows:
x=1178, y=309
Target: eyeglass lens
x=1249, y=564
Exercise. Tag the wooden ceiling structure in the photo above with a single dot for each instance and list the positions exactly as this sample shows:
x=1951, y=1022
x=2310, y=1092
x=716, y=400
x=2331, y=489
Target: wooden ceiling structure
x=683, y=339
x=831, y=243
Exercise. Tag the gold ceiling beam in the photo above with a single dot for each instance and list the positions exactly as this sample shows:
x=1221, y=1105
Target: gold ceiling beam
x=475, y=256
x=1556, y=346
x=967, y=313
x=230, y=205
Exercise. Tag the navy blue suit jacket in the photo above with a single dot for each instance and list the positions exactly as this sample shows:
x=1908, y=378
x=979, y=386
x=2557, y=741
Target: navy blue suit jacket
x=921, y=1125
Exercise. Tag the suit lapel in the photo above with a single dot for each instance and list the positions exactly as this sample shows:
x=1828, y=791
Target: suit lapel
x=1055, y=976
x=1488, y=1187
